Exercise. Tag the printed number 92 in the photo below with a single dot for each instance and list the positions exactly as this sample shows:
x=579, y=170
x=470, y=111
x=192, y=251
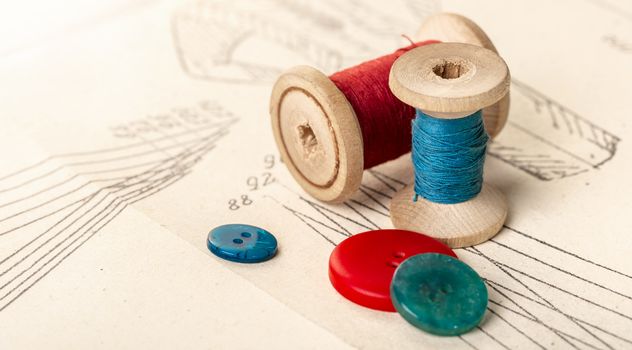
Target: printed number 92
x=254, y=182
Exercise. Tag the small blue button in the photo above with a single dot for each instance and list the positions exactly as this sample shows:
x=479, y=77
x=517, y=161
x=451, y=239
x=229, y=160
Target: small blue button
x=242, y=243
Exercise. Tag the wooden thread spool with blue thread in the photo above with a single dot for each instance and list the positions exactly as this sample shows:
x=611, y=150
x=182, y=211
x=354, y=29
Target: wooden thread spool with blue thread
x=450, y=81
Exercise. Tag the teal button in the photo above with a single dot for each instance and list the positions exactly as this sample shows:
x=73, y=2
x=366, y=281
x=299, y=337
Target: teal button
x=242, y=243
x=439, y=294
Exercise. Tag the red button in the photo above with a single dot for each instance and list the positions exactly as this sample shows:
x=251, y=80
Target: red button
x=362, y=266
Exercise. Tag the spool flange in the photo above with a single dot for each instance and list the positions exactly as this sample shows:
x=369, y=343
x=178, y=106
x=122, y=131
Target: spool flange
x=452, y=28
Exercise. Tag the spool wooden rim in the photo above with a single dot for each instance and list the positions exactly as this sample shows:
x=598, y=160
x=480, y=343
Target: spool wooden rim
x=451, y=27
x=449, y=80
x=457, y=225
x=317, y=133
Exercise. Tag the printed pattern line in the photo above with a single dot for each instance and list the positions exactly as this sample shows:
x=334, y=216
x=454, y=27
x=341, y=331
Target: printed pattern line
x=61, y=211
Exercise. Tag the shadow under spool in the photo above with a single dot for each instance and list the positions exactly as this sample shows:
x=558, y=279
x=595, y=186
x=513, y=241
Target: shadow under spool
x=330, y=129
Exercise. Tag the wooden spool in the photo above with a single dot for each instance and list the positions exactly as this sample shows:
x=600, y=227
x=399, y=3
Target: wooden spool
x=452, y=28
x=318, y=133
x=450, y=81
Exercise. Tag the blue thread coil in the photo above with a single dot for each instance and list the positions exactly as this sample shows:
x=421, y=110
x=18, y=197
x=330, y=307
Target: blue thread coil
x=448, y=157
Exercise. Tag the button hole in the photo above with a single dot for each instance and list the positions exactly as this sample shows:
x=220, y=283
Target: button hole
x=399, y=255
x=238, y=241
x=393, y=264
x=246, y=234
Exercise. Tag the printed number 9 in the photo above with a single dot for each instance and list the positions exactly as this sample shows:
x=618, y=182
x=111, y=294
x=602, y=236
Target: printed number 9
x=253, y=182
x=268, y=161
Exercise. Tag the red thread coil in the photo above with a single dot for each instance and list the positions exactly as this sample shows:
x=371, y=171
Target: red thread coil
x=384, y=120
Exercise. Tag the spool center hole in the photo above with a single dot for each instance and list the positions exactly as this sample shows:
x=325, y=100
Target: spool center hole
x=450, y=69
x=308, y=138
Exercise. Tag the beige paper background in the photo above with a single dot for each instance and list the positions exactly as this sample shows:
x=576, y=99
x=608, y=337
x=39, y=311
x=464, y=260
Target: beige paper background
x=179, y=92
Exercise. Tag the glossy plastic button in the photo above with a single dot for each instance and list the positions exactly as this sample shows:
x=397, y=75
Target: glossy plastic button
x=242, y=243
x=361, y=267
x=439, y=294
